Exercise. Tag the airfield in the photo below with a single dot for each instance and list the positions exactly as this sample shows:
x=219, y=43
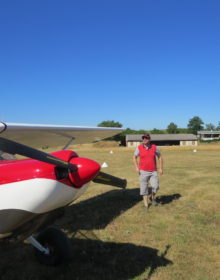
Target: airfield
x=113, y=237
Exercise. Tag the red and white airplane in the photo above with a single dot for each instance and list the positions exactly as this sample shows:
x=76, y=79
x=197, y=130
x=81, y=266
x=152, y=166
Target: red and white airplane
x=35, y=191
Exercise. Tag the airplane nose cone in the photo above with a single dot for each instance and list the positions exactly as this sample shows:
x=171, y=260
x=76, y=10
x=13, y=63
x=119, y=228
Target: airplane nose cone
x=87, y=171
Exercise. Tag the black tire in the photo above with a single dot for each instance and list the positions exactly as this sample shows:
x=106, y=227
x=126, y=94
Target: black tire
x=57, y=243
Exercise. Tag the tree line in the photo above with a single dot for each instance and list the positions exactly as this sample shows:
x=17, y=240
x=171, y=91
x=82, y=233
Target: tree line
x=194, y=125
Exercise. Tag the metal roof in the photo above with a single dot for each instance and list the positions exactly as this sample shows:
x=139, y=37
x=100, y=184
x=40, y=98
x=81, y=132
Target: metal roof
x=163, y=137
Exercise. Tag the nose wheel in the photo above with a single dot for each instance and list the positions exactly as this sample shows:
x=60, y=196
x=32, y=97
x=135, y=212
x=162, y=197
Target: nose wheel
x=52, y=247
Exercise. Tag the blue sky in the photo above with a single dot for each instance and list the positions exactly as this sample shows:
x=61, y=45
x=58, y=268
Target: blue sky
x=143, y=63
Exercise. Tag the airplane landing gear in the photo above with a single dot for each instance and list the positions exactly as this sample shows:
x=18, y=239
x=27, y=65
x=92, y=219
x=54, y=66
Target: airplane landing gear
x=52, y=247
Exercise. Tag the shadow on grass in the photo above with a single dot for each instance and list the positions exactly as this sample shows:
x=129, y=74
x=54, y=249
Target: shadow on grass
x=91, y=260
x=99, y=211
x=165, y=199
x=105, y=260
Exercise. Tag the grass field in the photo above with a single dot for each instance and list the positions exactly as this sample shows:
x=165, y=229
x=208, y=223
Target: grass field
x=114, y=238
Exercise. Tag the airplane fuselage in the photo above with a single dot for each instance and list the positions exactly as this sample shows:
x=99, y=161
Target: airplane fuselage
x=30, y=187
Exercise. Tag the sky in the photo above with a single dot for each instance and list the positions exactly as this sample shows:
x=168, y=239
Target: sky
x=143, y=63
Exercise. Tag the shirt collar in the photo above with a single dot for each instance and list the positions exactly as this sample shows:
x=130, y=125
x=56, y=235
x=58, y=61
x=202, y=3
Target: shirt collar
x=148, y=146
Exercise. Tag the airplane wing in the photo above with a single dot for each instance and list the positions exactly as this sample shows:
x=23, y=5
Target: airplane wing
x=39, y=135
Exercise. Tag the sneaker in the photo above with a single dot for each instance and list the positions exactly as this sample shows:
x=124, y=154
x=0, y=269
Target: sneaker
x=154, y=203
x=146, y=208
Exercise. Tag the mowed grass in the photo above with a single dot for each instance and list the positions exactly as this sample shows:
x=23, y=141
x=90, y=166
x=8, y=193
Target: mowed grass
x=112, y=237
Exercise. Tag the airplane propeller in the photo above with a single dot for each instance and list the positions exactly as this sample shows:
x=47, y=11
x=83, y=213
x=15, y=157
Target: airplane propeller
x=13, y=147
x=107, y=179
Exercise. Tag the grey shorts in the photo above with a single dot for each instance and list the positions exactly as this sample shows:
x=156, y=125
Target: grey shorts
x=145, y=178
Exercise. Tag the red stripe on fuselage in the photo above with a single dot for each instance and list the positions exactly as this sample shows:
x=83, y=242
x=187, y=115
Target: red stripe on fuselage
x=26, y=169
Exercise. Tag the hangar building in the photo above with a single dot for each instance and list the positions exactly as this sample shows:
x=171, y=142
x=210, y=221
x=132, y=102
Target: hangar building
x=133, y=140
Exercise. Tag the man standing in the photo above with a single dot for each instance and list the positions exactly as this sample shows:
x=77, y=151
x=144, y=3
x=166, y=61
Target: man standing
x=146, y=166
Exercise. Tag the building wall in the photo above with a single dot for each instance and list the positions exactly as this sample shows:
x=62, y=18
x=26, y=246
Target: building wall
x=189, y=143
x=134, y=144
x=210, y=136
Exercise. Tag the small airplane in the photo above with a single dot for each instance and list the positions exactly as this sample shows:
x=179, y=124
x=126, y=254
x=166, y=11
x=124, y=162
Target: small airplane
x=34, y=192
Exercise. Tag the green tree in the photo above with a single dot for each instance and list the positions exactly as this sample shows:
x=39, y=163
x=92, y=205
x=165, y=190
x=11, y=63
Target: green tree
x=156, y=131
x=172, y=128
x=110, y=124
x=118, y=137
x=183, y=130
x=210, y=126
x=195, y=124
x=218, y=126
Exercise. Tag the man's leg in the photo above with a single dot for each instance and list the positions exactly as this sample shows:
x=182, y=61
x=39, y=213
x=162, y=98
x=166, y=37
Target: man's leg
x=154, y=180
x=144, y=178
x=154, y=202
x=146, y=200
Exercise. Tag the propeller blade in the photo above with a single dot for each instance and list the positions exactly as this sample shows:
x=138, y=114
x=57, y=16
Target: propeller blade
x=106, y=179
x=12, y=147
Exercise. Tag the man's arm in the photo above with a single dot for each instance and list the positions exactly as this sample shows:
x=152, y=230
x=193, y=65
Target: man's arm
x=160, y=159
x=136, y=163
x=136, y=160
